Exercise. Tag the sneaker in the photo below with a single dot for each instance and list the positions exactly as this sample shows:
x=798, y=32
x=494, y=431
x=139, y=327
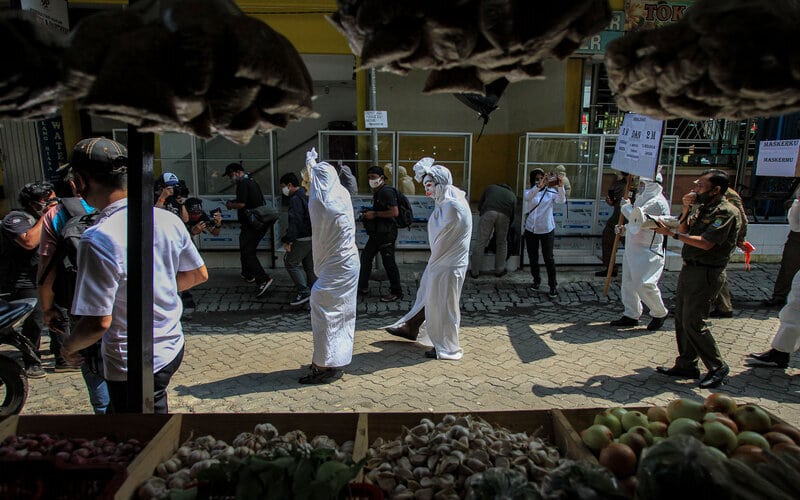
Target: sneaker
x=535, y=286
x=553, y=293
x=301, y=298
x=322, y=375
x=391, y=297
x=65, y=368
x=249, y=280
x=35, y=371
x=262, y=288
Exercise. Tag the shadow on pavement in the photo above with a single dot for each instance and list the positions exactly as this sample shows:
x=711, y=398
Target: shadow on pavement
x=583, y=333
x=765, y=383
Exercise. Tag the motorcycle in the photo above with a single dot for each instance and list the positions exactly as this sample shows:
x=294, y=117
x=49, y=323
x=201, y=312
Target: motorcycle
x=13, y=380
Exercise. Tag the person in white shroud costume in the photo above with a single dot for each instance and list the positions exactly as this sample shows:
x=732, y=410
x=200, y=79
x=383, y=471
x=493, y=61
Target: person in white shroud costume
x=643, y=261
x=333, y=296
x=435, y=318
x=787, y=338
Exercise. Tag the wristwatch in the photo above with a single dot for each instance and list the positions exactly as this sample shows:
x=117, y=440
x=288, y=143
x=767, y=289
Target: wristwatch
x=676, y=235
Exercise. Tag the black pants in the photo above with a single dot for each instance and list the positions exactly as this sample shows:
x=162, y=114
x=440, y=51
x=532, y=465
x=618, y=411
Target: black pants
x=382, y=243
x=547, y=241
x=249, y=238
x=118, y=391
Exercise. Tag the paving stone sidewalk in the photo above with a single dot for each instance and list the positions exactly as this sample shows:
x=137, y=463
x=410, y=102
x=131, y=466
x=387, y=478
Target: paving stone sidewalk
x=522, y=351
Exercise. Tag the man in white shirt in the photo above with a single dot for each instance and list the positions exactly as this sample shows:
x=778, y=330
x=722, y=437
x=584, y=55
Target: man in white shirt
x=790, y=261
x=99, y=167
x=540, y=227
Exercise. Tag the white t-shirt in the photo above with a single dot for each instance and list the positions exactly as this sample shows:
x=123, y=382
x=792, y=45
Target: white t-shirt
x=540, y=220
x=102, y=284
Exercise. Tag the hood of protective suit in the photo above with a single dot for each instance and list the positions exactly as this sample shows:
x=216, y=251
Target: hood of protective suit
x=651, y=191
x=441, y=176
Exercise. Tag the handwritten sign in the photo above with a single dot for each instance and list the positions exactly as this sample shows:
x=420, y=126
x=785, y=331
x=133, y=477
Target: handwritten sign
x=376, y=119
x=638, y=145
x=778, y=158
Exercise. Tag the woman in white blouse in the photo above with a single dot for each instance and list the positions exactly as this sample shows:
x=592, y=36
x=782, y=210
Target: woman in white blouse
x=540, y=227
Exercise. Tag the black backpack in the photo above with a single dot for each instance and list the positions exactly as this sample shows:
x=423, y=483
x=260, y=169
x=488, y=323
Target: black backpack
x=65, y=260
x=405, y=216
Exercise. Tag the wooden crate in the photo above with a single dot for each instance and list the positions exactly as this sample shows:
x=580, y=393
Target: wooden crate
x=158, y=430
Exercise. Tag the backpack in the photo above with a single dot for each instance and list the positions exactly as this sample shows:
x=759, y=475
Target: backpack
x=405, y=216
x=65, y=260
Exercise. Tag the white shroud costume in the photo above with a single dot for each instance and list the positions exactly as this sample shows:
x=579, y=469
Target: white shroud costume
x=333, y=240
x=449, y=233
x=787, y=339
x=643, y=261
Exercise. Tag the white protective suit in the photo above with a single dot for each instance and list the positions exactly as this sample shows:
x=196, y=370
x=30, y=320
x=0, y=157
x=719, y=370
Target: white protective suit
x=333, y=242
x=787, y=339
x=347, y=179
x=643, y=261
x=449, y=233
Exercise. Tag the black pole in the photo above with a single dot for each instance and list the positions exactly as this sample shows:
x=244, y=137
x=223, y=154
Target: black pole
x=140, y=270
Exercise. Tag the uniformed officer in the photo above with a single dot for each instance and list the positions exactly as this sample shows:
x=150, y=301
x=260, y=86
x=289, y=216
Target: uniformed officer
x=723, y=308
x=709, y=236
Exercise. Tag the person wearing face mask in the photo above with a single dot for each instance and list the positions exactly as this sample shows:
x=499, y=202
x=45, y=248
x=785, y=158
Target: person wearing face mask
x=540, y=227
x=298, y=259
x=709, y=226
x=248, y=196
x=382, y=231
x=19, y=261
x=334, y=294
x=435, y=318
x=643, y=261
x=722, y=306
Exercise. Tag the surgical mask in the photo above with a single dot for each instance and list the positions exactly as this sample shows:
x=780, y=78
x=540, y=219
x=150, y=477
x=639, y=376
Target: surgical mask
x=703, y=198
x=375, y=183
x=285, y=190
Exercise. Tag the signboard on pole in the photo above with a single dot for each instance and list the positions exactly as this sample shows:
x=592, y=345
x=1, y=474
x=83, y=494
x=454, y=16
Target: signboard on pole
x=638, y=145
x=778, y=158
x=376, y=119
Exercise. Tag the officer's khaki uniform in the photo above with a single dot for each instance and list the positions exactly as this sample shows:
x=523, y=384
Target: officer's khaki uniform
x=699, y=283
x=723, y=301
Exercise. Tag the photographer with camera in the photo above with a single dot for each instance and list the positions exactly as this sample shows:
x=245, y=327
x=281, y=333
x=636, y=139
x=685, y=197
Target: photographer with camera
x=199, y=221
x=540, y=227
x=616, y=193
x=170, y=195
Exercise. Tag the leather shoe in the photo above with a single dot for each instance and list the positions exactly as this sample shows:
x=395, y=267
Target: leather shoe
x=391, y=297
x=431, y=354
x=402, y=331
x=780, y=359
x=625, y=321
x=715, y=378
x=720, y=314
x=679, y=372
x=656, y=323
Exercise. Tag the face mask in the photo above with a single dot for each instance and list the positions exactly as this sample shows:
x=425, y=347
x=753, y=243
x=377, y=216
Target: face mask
x=704, y=198
x=375, y=183
x=285, y=190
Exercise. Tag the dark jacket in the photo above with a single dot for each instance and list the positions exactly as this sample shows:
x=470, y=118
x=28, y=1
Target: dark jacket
x=248, y=192
x=299, y=224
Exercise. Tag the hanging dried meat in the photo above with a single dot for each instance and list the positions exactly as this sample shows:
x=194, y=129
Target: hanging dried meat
x=31, y=72
x=467, y=44
x=199, y=67
x=723, y=59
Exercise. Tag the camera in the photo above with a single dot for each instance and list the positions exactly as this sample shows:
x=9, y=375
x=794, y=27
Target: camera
x=551, y=179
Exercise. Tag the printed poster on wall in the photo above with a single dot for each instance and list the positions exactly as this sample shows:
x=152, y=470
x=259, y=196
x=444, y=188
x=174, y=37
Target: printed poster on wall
x=778, y=158
x=649, y=14
x=638, y=145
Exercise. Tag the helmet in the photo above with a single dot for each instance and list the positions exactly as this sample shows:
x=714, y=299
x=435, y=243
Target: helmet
x=34, y=192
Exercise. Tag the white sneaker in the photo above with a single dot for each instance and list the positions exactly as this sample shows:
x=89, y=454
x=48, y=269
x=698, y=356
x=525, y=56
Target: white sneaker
x=262, y=288
x=301, y=298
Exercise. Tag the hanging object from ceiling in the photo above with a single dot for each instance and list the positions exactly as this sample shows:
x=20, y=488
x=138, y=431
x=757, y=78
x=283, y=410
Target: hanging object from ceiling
x=724, y=59
x=484, y=104
x=201, y=67
x=467, y=44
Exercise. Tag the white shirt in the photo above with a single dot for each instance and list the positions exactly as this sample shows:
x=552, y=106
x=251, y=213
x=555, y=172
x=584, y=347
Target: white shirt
x=102, y=283
x=540, y=219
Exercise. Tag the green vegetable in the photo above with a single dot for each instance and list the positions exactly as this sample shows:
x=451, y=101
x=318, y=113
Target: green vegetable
x=580, y=480
x=500, y=484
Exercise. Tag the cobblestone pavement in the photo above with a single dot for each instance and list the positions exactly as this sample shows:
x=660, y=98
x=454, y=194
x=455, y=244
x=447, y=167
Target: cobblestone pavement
x=522, y=351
